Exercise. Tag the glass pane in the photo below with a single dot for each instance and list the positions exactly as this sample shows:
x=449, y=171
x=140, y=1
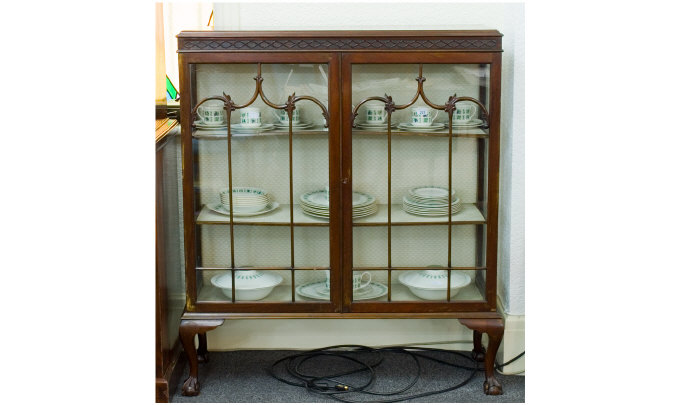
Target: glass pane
x=270, y=172
x=312, y=285
x=251, y=285
x=369, y=285
x=171, y=239
x=213, y=246
x=424, y=173
x=430, y=285
x=370, y=246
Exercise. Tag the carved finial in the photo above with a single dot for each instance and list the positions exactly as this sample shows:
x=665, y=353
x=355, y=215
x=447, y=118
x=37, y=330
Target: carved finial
x=354, y=116
x=389, y=104
x=450, y=105
x=290, y=106
x=229, y=104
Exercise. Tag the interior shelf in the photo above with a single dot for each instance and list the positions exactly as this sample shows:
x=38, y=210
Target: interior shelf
x=401, y=293
x=469, y=214
x=223, y=134
x=457, y=133
x=280, y=217
x=282, y=293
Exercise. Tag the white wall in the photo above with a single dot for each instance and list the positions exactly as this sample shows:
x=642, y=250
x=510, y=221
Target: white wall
x=508, y=18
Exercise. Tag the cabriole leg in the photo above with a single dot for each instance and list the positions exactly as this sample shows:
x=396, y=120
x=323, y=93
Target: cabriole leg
x=187, y=331
x=494, y=328
x=478, y=350
x=202, y=351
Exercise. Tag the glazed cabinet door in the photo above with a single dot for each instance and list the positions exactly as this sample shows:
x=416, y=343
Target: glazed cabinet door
x=420, y=134
x=261, y=142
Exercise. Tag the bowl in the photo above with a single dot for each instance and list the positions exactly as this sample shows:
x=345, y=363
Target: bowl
x=431, y=284
x=251, y=285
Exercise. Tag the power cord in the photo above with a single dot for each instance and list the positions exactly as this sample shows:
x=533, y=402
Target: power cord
x=336, y=386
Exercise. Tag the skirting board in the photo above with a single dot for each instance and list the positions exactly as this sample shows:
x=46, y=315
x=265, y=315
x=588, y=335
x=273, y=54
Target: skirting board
x=512, y=343
x=306, y=334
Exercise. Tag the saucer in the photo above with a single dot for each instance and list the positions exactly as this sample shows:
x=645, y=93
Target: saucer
x=200, y=125
x=363, y=125
x=220, y=209
x=301, y=125
x=472, y=123
x=410, y=127
x=242, y=129
x=319, y=291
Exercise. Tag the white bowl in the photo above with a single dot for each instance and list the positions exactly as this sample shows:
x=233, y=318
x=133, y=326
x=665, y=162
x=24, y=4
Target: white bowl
x=251, y=285
x=249, y=295
x=431, y=288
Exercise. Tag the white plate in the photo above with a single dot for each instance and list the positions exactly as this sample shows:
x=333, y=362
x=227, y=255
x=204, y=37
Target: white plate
x=295, y=126
x=374, y=126
x=472, y=123
x=319, y=291
x=210, y=127
x=220, y=209
x=242, y=129
x=430, y=204
x=317, y=199
x=426, y=192
x=431, y=128
x=327, y=215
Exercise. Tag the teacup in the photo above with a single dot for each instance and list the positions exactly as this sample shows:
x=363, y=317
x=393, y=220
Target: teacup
x=356, y=280
x=422, y=116
x=375, y=114
x=251, y=117
x=464, y=113
x=211, y=114
x=282, y=116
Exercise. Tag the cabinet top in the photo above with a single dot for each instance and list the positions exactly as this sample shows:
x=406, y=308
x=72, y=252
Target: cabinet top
x=346, y=41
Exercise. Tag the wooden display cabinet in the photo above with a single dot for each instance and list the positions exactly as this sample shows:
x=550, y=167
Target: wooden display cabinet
x=315, y=236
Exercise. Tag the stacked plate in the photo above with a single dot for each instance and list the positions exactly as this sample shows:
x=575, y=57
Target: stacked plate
x=473, y=123
x=248, y=201
x=431, y=201
x=299, y=126
x=407, y=126
x=199, y=124
x=373, y=126
x=316, y=204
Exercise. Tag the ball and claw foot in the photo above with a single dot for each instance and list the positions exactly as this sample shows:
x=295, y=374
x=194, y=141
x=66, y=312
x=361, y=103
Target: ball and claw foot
x=492, y=386
x=191, y=387
x=479, y=356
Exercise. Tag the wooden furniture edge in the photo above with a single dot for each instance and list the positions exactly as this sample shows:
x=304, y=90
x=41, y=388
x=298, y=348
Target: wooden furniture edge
x=345, y=41
x=164, y=127
x=342, y=315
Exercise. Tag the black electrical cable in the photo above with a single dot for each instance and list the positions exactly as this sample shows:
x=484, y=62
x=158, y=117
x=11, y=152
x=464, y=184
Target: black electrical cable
x=333, y=386
x=499, y=367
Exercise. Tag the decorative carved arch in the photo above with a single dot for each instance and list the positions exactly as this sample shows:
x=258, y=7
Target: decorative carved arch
x=449, y=106
x=289, y=105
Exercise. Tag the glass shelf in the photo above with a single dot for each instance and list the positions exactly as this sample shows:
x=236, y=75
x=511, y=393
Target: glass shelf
x=457, y=133
x=223, y=134
x=470, y=214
